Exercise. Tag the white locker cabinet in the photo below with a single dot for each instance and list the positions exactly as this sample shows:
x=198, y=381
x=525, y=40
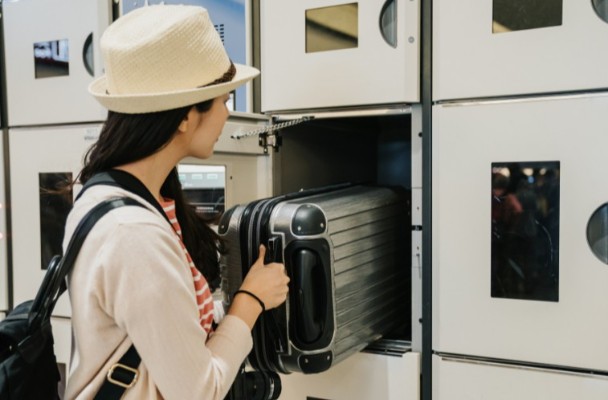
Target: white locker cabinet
x=457, y=379
x=3, y=233
x=329, y=53
x=489, y=48
x=361, y=376
x=42, y=158
x=232, y=20
x=519, y=254
x=62, y=335
x=52, y=54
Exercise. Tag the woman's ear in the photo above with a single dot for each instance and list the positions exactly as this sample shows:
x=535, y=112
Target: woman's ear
x=183, y=126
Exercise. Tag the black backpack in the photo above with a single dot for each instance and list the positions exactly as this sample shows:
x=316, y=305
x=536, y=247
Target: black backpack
x=28, y=367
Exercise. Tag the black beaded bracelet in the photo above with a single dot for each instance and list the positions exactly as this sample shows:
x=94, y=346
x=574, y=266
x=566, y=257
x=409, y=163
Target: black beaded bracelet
x=252, y=295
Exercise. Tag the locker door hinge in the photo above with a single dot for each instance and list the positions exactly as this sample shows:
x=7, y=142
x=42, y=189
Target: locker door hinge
x=270, y=139
x=268, y=136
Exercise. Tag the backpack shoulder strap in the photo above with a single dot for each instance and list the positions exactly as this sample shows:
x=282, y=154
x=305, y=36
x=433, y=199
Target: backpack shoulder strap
x=54, y=281
x=124, y=180
x=121, y=376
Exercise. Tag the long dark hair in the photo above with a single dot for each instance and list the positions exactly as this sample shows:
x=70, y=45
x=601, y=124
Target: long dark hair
x=126, y=138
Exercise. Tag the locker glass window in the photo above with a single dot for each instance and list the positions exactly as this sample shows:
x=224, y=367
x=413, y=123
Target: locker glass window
x=54, y=209
x=204, y=187
x=597, y=233
x=601, y=8
x=517, y=15
x=51, y=58
x=332, y=28
x=525, y=230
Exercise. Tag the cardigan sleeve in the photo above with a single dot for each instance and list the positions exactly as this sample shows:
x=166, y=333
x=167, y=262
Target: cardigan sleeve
x=147, y=288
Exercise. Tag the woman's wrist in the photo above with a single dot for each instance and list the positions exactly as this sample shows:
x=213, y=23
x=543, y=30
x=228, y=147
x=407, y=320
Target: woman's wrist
x=252, y=295
x=246, y=308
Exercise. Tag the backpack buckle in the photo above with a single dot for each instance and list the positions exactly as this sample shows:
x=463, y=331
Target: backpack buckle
x=124, y=375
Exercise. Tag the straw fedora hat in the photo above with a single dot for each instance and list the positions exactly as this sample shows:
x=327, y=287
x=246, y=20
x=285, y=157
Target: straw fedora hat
x=163, y=57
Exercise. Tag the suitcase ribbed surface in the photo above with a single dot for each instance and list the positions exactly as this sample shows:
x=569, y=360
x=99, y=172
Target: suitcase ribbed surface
x=369, y=231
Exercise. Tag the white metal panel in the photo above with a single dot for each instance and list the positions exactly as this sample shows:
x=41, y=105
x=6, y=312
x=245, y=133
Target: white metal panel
x=2, y=315
x=361, y=376
x=34, y=151
x=467, y=139
x=372, y=73
x=58, y=98
x=416, y=259
x=416, y=146
x=416, y=290
x=62, y=335
x=465, y=380
x=469, y=61
x=3, y=233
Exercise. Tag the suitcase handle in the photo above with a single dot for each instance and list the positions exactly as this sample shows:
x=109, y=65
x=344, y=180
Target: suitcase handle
x=310, y=289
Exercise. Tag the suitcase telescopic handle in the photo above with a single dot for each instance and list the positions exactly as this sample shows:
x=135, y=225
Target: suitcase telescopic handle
x=310, y=295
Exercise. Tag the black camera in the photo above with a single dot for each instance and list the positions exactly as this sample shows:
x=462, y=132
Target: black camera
x=255, y=385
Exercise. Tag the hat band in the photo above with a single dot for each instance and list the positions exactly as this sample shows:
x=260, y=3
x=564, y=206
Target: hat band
x=227, y=77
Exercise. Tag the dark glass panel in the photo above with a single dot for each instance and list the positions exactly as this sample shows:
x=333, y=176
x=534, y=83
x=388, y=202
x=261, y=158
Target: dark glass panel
x=517, y=15
x=51, y=59
x=54, y=209
x=525, y=230
x=204, y=187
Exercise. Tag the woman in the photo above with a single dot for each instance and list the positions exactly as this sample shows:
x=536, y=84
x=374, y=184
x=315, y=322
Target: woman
x=137, y=280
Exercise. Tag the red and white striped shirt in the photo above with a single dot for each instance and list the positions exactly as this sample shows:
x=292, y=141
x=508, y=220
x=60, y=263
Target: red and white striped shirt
x=204, y=299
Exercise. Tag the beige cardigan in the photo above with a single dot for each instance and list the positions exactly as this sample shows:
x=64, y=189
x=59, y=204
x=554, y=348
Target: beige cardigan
x=131, y=284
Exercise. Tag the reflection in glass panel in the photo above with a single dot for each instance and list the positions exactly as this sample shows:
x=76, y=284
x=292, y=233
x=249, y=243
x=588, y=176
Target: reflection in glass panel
x=525, y=230
x=332, y=28
x=601, y=8
x=517, y=15
x=51, y=59
x=597, y=233
x=54, y=209
x=388, y=22
x=204, y=187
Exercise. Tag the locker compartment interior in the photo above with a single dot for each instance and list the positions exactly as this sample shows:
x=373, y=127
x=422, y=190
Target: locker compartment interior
x=366, y=149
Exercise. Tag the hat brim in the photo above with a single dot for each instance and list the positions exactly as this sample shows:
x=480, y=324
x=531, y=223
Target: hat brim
x=154, y=102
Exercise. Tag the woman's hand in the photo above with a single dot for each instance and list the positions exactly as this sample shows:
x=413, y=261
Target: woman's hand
x=268, y=282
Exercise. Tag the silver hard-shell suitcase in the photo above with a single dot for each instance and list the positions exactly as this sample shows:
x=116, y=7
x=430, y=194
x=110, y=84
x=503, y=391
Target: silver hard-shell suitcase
x=346, y=249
